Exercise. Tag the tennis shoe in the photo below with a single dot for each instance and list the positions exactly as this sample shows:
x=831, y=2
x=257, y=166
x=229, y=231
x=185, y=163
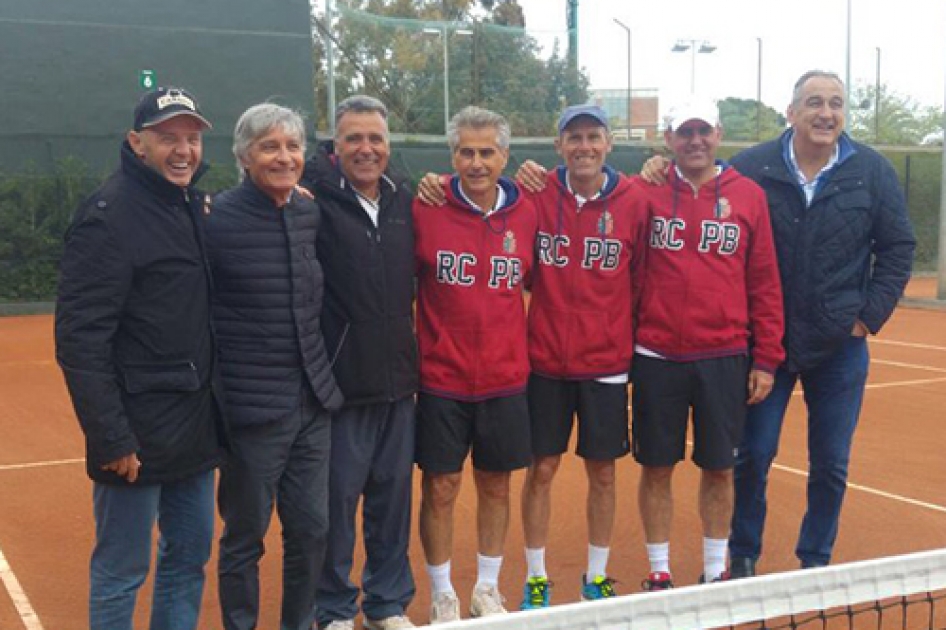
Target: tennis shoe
x=444, y=608
x=657, y=581
x=723, y=577
x=486, y=601
x=394, y=622
x=536, y=594
x=599, y=588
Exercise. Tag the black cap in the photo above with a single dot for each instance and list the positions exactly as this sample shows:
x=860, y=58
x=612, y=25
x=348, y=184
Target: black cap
x=165, y=103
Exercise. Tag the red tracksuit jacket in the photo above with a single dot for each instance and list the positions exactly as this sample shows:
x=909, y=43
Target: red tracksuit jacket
x=580, y=324
x=710, y=282
x=471, y=321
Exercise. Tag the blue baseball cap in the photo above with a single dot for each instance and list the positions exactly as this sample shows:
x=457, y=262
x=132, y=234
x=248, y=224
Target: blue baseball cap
x=574, y=111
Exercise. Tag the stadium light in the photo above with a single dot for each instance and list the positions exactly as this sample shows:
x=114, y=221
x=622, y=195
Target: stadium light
x=684, y=45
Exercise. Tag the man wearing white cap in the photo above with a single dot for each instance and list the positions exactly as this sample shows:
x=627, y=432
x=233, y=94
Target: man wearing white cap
x=709, y=329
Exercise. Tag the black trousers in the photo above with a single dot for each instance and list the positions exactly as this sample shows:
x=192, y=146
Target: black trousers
x=372, y=462
x=283, y=464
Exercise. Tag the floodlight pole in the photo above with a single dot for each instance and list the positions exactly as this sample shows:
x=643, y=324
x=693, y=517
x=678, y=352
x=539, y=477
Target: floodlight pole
x=758, y=96
x=629, y=97
x=877, y=101
x=941, y=255
x=847, y=70
x=330, y=66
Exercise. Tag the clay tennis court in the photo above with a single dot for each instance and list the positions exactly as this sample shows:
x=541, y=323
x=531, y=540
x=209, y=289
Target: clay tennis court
x=896, y=503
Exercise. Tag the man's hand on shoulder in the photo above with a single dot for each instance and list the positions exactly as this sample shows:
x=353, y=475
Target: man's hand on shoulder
x=531, y=176
x=430, y=189
x=655, y=169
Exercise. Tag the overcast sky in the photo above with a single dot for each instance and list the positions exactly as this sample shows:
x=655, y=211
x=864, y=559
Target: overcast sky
x=796, y=36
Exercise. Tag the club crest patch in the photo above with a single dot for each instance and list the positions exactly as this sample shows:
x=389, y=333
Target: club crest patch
x=606, y=224
x=723, y=208
x=509, y=242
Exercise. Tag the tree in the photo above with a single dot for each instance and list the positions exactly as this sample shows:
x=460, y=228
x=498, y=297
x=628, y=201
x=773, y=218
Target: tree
x=902, y=121
x=393, y=50
x=739, y=119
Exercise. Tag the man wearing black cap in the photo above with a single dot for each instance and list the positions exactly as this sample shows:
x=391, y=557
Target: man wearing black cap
x=134, y=340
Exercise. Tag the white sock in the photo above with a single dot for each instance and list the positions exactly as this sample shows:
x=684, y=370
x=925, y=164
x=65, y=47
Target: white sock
x=487, y=570
x=659, y=556
x=440, y=578
x=597, y=562
x=535, y=562
x=714, y=557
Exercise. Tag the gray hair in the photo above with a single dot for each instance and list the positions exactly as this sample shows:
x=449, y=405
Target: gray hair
x=261, y=119
x=360, y=104
x=812, y=74
x=472, y=117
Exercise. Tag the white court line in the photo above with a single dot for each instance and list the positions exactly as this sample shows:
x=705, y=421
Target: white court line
x=908, y=344
x=20, y=600
x=869, y=490
x=925, y=381
x=912, y=366
x=54, y=462
x=12, y=585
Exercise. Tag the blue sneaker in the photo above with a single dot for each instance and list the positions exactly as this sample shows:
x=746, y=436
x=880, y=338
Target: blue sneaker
x=598, y=588
x=536, y=594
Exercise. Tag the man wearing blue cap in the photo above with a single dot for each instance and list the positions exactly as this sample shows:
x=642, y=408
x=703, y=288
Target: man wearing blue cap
x=134, y=340
x=580, y=340
x=588, y=247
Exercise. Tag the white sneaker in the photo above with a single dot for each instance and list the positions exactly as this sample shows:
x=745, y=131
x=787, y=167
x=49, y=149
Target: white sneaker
x=394, y=622
x=486, y=601
x=340, y=624
x=444, y=607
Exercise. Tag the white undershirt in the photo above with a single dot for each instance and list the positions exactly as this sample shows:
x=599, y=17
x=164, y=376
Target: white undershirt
x=500, y=199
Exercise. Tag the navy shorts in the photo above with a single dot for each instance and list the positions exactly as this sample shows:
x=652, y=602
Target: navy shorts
x=664, y=394
x=602, y=417
x=496, y=430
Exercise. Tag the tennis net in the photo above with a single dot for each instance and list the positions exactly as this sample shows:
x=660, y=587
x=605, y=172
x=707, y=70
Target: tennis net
x=907, y=592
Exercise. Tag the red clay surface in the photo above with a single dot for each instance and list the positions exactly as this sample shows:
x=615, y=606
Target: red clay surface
x=46, y=522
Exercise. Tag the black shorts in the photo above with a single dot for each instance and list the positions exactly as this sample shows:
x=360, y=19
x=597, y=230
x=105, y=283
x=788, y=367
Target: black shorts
x=496, y=429
x=602, y=417
x=665, y=392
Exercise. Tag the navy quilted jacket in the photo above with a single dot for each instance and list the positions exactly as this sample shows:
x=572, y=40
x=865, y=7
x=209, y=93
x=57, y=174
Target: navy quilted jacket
x=266, y=306
x=845, y=258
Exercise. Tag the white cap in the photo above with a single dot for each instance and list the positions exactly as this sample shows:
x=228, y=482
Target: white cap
x=695, y=108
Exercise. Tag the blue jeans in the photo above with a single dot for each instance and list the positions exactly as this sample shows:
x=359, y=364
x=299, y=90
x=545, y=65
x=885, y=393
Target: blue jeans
x=833, y=393
x=124, y=520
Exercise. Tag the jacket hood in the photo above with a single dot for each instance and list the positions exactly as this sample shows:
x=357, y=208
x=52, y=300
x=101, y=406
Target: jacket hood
x=614, y=180
x=726, y=176
x=454, y=197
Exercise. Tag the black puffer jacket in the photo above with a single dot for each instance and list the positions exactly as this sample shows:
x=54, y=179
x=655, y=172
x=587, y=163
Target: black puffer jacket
x=267, y=302
x=845, y=258
x=369, y=286
x=133, y=333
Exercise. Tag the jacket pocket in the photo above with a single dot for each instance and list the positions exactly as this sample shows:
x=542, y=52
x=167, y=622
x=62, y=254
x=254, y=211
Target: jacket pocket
x=179, y=376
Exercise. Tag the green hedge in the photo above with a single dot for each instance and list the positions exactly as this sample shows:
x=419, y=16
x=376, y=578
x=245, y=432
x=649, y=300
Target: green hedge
x=35, y=207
